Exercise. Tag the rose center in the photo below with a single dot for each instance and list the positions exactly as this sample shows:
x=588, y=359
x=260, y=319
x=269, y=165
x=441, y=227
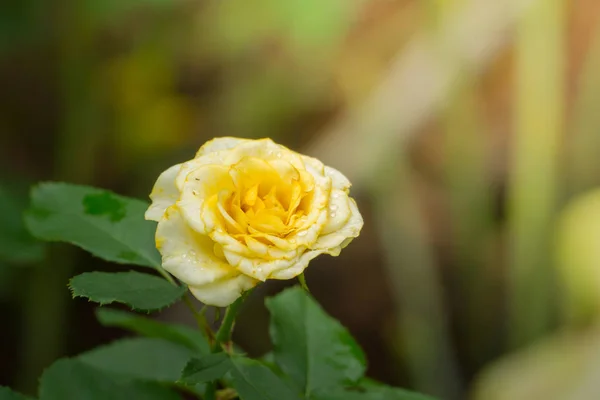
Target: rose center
x=268, y=200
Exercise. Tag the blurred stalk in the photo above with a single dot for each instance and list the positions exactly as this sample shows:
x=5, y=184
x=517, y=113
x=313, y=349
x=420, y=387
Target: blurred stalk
x=422, y=320
x=469, y=193
x=46, y=303
x=471, y=213
x=583, y=172
x=539, y=106
x=416, y=85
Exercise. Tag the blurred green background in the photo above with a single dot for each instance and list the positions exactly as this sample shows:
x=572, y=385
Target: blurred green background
x=469, y=128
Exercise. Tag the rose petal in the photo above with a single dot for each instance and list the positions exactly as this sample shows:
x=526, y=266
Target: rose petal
x=198, y=203
x=339, y=212
x=220, y=144
x=164, y=193
x=223, y=293
x=190, y=257
x=339, y=180
x=335, y=241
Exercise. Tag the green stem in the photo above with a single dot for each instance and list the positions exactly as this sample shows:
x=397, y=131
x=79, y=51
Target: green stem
x=302, y=280
x=224, y=333
x=211, y=391
x=200, y=317
x=535, y=178
x=165, y=275
x=223, y=336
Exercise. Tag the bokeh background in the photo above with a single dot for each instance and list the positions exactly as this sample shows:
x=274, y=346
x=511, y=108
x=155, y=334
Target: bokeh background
x=469, y=128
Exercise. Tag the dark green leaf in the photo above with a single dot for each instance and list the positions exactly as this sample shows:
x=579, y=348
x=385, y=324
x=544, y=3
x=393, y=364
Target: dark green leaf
x=142, y=358
x=254, y=381
x=71, y=379
x=311, y=347
x=268, y=359
x=16, y=243
x=206, y=369
x=8, y=394
x=107, y=225
x=139, y=291
x=379, y=393
x=144, y=326
x=22, y=23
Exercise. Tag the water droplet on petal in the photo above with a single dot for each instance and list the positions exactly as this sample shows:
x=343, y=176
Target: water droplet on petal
x=259, y=269
x=302, y=233
x=333, y=207
x=292, y=241
x=335, y=195
x=279, y=155
x=332, y=215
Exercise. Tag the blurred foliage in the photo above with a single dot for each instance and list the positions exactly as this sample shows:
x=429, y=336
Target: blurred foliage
x=17, y=246
x=578, y=258
x=22, y=23
x=557, y=368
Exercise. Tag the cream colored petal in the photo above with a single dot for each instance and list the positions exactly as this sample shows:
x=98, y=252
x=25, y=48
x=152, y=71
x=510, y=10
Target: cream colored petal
x=192, y=165
x=199, y=197
x=297, y=267
x=190, y=257
x=338, y=212
x=225, y=292
x=220, y=144
x=164, y=193
x=259, y=268
x=339, y=180
x=337, y=240
x=186, y=254
x=265, y=149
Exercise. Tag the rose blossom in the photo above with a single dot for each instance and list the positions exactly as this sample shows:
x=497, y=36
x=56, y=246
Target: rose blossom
x=244, y=211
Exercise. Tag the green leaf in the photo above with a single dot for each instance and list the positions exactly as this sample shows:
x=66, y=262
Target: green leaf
x=8, y=394
x=107, y=225
x=144, y=326
x=141, y=358
x=16, y=243
x=379, y=393
x=255, y=381
x=268, y=359
x=206, y=369
x=315, y=350
x=139, y=291
x=22, y=23
x=71, y=379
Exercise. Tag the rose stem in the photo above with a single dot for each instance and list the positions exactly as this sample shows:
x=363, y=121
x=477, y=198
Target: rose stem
x=199, y=316
x=302, y=280
x=222, y=336
x=224, y=333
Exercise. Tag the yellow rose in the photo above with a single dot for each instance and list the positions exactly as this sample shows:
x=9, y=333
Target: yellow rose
x=244, y=211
